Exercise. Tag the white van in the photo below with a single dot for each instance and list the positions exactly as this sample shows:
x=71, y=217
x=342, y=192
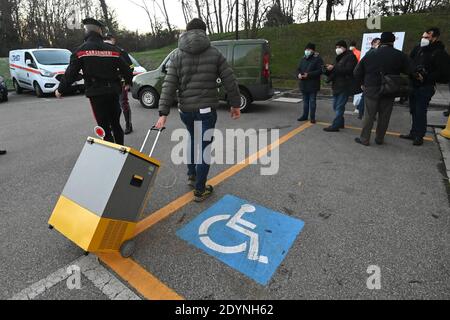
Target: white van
x=40, y=70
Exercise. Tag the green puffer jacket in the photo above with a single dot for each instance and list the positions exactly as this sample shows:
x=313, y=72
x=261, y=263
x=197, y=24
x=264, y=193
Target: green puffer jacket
x=194, y=70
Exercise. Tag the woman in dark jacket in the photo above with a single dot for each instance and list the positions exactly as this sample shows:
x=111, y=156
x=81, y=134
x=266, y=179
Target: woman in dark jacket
x=309, y=71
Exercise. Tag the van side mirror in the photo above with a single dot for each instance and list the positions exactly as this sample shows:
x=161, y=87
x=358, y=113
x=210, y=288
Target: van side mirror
x=30, y=64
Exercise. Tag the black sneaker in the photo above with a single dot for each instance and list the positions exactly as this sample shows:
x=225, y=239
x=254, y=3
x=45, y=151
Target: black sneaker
x=128, y=129
x=2, y=152
x=418, y=142
x=302, y=119
x=407, y=136
x=358, y=140
x=192, y=180
x=331, y=129
x=202, y=196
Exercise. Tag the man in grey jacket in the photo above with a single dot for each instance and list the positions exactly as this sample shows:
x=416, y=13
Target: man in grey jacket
x=194, y=73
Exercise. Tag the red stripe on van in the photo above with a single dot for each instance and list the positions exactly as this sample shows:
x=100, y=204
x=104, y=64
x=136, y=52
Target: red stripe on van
x=26, y=69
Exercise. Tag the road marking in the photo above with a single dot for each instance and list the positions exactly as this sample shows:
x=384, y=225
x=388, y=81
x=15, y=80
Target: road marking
x=288, y=100
x=249, y=238
x=92, y=270
x=139, y=278
x=390, y=133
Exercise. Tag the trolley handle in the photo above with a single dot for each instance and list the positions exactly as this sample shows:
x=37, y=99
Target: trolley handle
x=160, y=130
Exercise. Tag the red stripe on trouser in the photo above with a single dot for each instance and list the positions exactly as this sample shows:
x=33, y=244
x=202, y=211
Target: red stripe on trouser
x=93, y=112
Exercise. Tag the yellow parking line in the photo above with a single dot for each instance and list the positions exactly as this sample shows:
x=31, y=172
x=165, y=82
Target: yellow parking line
x=139, y=278
x=142, y=280
x=390, y=133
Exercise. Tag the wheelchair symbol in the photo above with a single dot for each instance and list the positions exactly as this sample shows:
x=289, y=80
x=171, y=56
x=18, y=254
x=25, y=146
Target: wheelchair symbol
x=236, y=222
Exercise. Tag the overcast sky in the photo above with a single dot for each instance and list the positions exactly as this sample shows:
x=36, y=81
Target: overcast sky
x=134, y=18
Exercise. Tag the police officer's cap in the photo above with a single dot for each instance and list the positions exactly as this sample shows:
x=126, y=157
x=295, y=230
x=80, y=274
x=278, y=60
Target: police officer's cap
x=92, y=21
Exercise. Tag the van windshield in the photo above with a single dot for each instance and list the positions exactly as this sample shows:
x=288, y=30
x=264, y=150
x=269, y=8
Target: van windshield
x=134, y=61
x=52, y=57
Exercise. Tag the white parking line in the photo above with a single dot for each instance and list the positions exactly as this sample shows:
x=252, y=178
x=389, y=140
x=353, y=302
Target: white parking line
x=91, y=269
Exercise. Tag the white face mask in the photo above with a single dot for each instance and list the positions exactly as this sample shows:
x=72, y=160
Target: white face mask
x=308, y=53
x=424, y=42
x=339, y=51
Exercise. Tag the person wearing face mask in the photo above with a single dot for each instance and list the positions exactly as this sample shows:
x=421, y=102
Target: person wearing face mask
x=341, y=77
x=309, y=72
x=429, y=61
x=384, y=60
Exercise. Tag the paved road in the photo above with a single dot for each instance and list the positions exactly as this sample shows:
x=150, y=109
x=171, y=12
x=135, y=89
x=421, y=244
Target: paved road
x=384, y=205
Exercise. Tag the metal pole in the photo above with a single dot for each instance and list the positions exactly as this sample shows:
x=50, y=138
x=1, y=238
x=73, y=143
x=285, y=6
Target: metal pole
x=237, y=19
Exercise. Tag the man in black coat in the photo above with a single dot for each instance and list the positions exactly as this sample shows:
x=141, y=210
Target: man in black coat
x=309, y=72
x=429, y=59
x=102, y=67
x=341, y=76
x=384, y=60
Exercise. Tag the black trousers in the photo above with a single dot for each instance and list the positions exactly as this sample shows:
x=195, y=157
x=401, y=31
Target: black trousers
x=107, y=112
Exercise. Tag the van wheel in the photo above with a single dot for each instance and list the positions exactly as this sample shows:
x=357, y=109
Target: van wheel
x=17, y=88
x=246, y=100
x=38, y=90
x=149, y=98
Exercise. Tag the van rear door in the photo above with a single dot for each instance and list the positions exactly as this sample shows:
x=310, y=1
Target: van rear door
x=17, y=65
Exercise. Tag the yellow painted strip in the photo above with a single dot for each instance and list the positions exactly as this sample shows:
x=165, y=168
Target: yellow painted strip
x=390, y=133
x=139, y=278
x=172, y=207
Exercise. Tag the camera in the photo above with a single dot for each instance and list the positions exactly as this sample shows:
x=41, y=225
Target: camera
x=420, y=69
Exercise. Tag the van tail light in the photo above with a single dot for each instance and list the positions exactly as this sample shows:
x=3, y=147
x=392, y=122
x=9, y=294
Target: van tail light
x=266, y=66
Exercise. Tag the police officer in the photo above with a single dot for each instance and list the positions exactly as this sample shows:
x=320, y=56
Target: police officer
x=124, y=102
x=102, y=66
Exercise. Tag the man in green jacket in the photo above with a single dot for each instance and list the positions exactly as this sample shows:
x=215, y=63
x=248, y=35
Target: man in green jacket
x=194, y=74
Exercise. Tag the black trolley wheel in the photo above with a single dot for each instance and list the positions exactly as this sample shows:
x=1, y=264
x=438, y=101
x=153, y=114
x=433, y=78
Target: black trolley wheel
x=127, y=248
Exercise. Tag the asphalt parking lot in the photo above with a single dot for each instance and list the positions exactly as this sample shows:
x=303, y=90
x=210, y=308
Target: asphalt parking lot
x=386, y=206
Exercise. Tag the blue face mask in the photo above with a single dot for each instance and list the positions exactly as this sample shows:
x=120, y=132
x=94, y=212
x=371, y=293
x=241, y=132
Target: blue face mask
x=308, y=53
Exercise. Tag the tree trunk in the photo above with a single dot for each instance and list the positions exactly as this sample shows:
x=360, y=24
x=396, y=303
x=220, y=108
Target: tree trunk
x=329, y=10
x=106, y=16
x=199, y=10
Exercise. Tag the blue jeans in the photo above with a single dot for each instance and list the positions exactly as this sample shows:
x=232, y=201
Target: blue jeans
x=198, y=166
x=419, y=100
x=339, y=102
x=309, y=104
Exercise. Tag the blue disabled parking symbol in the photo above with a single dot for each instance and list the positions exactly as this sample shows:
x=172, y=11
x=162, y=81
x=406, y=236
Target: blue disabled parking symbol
x=249, y=238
